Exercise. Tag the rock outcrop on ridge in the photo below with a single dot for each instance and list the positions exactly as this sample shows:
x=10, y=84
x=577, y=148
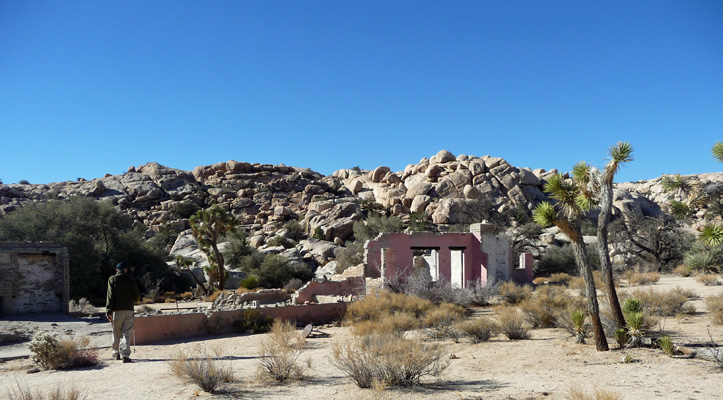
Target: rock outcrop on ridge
x=444, y=188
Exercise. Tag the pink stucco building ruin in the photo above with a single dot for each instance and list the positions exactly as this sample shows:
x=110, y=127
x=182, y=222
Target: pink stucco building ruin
x=461, y=258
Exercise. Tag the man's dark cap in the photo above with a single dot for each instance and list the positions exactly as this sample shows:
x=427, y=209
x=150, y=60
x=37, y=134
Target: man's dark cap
x=120, y=265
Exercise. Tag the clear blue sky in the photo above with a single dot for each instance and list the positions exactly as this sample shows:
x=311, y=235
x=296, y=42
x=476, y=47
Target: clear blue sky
x=93, y=87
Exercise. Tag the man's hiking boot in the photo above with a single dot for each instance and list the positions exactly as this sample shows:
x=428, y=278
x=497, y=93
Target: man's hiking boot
x=127, y=359
x=117, y=356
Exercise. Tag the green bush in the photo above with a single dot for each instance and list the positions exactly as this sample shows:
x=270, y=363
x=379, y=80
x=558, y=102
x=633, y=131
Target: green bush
x=295, y=230
x=253, y=320
x=184, y=208
x=251, y=282
x=562, y=260
x=280, y=241
x=51, y=353
x=97, y=237
x=274, y=270
x=374, y=225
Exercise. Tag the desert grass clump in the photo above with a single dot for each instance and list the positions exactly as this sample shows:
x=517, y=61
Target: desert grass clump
x=280, y=351
x=715, y=308
x=547, y=303
x=83, y=306
x=644, y=278
x=664, y=303
x=682, y=270
x=578, y=283
x=59, y=392
x=577, y=393
x=512, y=323
x=483, y=295
x=393, y=324
x=666, y=344
x=512, y=293
x=708, y=280
x=437, y=292
x=387, y=360
x=202, y=369
x=51, y=353
x=476, y=330
x=441, y=318
x=375, y=305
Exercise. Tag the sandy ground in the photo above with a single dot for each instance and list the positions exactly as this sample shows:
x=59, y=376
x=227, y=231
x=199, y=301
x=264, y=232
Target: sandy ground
x=544, y=367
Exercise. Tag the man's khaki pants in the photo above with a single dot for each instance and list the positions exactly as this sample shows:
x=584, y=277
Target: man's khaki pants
x=122, y=326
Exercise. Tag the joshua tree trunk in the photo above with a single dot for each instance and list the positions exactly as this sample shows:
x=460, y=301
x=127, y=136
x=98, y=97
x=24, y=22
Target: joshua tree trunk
x=601, y=343
x=606, y=200
x=221, y=268
x=578, y=246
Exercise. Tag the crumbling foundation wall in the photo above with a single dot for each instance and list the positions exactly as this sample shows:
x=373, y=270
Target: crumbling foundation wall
x=34, y=278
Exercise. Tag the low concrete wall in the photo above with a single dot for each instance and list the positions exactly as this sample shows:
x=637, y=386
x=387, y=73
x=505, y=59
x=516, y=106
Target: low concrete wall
x=353, y=285
x=177, y=326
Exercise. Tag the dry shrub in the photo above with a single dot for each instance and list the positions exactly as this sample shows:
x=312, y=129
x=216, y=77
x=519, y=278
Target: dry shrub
x=643, y=279
x=387, y=360
x=375, y=305
x=201, y=369
x=170, y=300
x=476, y=330
x=482, y=295
x=682, y=270
x=512, y=323
x=715, y=308
x=578, y=283
x=213, y=296
x=513, y=293
x=57, y=393
x=393, y=324
x=51, y=353
x=577, y=393
x=707, y=280
x=280, y=350
x=546, y=304
x=440, y=320
x=664, y=303
x=186, y=295
x=561, y=278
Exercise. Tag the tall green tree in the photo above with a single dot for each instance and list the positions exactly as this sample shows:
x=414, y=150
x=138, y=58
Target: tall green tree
x=208, y=227
x=97, y=237
x=567, y=214
x=600, y=185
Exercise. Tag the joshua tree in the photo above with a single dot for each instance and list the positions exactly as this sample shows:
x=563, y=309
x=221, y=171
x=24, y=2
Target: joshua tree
x=208, y=226
x=594, y=182
x=717, y=151
x=566, y=214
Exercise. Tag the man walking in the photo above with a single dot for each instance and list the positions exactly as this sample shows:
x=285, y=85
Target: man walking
x=121, y=296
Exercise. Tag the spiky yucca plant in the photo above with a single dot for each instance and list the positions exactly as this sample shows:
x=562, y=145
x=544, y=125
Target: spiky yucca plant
x=578, y=322
x=666, y=344
x=717, y=151
x=712, y=234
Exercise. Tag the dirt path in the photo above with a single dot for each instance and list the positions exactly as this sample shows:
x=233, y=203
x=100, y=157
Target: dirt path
x=544, y=367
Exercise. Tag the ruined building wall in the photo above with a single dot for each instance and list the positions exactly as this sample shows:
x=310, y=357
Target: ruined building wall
x=33, y=278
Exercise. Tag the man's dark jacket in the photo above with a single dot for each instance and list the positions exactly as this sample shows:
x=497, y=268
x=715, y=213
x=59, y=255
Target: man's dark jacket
x=122, y=293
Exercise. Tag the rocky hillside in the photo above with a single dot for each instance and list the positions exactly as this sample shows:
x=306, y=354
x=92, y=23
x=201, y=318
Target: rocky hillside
x=445, y=188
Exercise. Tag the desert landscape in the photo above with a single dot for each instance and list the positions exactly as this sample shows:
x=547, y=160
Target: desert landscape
x=550, y=365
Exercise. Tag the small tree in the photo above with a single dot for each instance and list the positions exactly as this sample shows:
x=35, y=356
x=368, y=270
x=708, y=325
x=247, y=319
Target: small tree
x=208, y=227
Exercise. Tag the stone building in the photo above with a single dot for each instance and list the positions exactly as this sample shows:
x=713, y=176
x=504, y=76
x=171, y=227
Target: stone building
x=34, y=278
x=460, y=258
